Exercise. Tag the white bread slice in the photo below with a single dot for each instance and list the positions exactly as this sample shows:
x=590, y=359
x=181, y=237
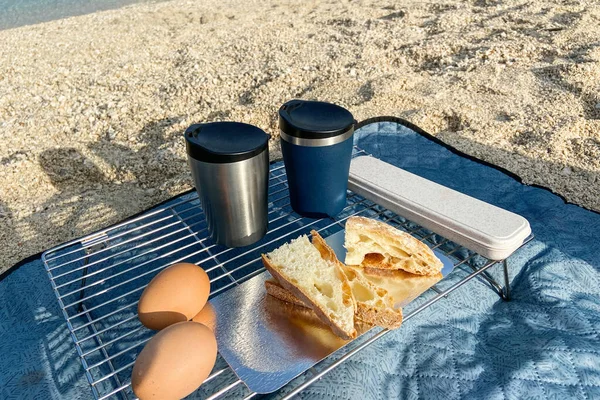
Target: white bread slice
x=373, y=305
x=373, y=309
x=301, y=324
x=375, y=244
x=300, y=269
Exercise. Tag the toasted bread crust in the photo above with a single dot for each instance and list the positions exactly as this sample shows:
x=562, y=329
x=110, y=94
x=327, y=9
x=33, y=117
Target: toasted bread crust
x=297, y=292
x=393, y=273
x=371, y=316
x=328, y=254
x=428, y=263
x=385, y=316
x=274, y=289
x=381, y=314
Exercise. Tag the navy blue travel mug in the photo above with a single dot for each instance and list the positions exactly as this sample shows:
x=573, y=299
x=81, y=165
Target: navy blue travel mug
x=316, y=143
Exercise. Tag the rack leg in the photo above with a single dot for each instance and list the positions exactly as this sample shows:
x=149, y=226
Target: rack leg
x=506, y=281
x=503, y=292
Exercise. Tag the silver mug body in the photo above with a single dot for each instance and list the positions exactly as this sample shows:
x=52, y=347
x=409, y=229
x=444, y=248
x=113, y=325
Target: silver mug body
x=234, y=197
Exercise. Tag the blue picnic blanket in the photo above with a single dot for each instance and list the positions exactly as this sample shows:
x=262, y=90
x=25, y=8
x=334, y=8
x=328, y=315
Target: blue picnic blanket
x=544, y=343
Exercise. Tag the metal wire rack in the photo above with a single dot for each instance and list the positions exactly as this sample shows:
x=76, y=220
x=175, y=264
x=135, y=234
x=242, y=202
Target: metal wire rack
x=98, y=279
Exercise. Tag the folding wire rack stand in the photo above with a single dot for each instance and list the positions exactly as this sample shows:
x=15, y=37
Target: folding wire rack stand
x=98, y=279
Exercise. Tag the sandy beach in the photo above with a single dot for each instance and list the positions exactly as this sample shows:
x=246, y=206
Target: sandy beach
x=92, y=108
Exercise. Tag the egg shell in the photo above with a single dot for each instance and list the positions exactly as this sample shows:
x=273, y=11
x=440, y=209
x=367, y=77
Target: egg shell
x=175, y=362
x=176, y=294
x=207, y=317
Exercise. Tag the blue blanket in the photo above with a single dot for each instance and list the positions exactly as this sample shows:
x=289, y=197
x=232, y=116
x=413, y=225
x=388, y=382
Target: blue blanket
x=544, y=343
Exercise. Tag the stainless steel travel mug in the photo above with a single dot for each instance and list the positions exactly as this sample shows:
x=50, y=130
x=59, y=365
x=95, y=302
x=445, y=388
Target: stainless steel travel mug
x=230, y=168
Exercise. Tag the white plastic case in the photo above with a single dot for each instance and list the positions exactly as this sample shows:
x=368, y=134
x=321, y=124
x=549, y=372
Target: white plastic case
x=491, y=231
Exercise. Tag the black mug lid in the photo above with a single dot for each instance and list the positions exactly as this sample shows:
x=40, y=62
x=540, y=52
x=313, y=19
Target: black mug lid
x=314, y=119
x=224, y=142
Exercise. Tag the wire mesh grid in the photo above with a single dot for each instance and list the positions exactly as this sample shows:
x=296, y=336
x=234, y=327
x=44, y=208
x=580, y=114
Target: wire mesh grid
x=98, y=280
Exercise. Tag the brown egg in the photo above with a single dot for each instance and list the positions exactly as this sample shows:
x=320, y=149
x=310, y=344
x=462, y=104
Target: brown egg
x=176, y=294
x=207, y=316
x=174, y=362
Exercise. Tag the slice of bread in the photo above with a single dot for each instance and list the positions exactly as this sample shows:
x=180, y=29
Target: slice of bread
x=319, y=283
x=276, y=290
x=373, y=305
x=301, y=318
x=402, y=286
x=373, y=308
x=375, y=244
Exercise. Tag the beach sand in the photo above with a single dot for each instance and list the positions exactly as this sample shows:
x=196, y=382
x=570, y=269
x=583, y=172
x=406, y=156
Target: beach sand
x=92, y=108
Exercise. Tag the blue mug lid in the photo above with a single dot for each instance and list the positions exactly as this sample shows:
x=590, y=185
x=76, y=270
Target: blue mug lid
x=224, y=142
x=314, y=119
